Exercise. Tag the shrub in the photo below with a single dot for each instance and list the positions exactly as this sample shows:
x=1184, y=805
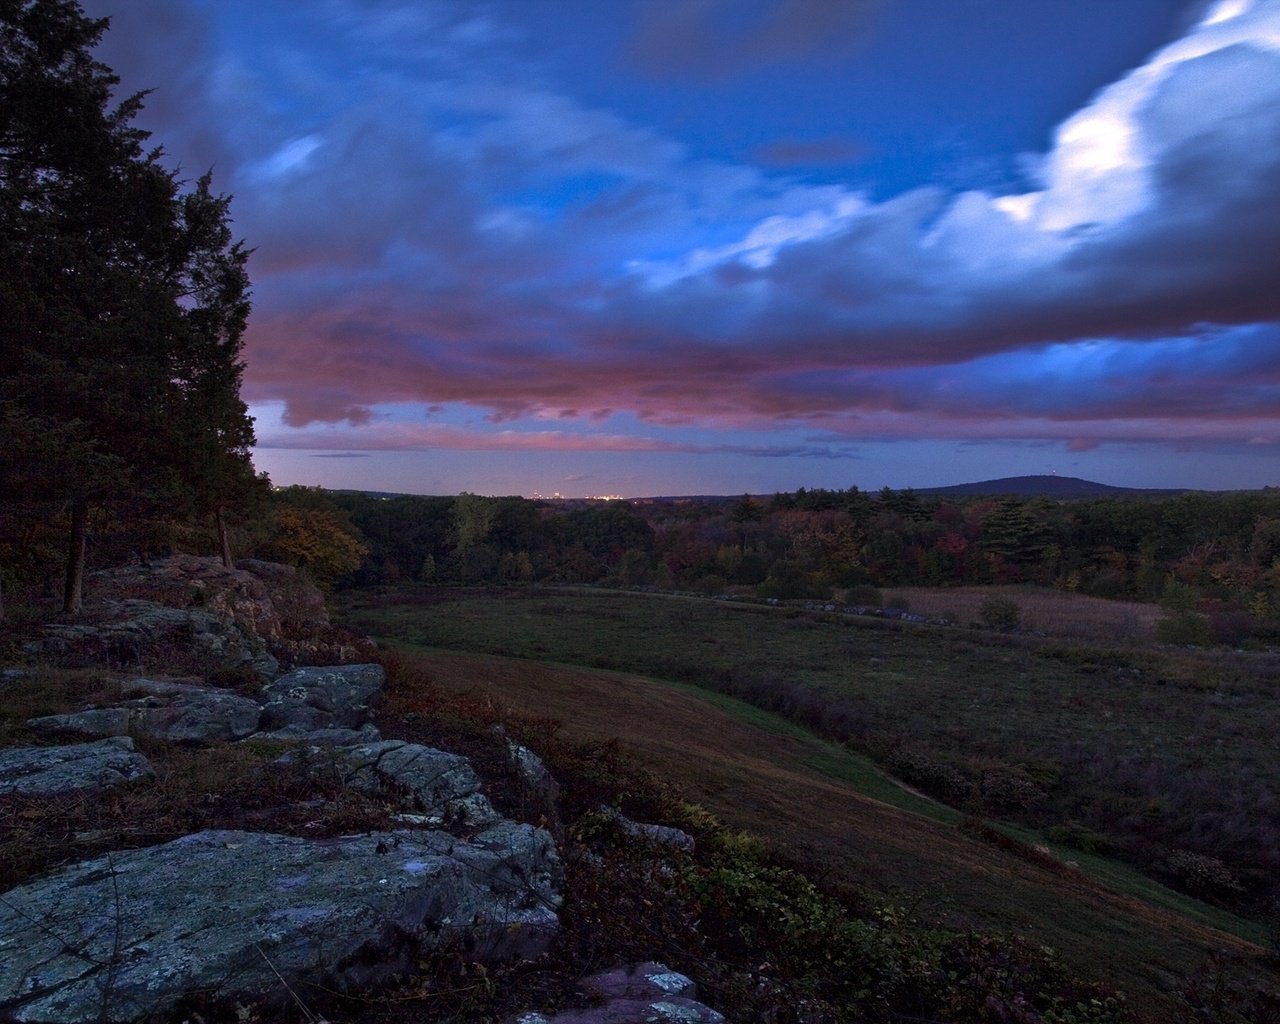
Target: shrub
x=1078, y=837
x=865, y=595
x=1204, y=877
x=940, y=780
x=1000, y=613
x=1184, y=628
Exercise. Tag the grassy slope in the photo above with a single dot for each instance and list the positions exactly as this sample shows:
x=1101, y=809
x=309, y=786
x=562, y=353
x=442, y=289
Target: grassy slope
x=768, y=777
x=1144, y=742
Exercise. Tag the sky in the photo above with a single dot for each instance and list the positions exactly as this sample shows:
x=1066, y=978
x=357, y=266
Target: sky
x=721, y=246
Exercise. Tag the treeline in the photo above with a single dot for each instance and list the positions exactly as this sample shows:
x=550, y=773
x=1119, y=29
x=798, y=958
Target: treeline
x=1212, y=558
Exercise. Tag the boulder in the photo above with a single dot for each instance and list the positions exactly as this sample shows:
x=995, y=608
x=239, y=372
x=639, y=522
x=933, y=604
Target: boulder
x=654, y=835
x=333, y=697
x=640, y=994
x=539, y=790
x=176, y=713
x=259, y=596
x=78, y=768
x=276, y=605
x=442, y=786
x=136, y=633
x=238, y=916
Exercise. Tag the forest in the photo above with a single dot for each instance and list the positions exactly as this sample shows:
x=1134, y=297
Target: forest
x=1212, y=560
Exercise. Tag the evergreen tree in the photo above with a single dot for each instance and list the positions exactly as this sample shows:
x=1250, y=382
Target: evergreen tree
x=124, y=300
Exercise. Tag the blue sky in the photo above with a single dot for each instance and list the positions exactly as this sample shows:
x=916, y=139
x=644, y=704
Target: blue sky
x=715, y=246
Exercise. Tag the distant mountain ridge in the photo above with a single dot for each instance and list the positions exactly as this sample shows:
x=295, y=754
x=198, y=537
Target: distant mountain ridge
x=1049, y=486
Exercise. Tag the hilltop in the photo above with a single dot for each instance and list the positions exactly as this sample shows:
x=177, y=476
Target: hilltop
x=1065, y=488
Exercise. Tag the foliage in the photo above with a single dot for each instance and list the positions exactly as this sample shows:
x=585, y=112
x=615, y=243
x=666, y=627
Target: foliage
x=311, y=532
x=1002, y=613
x=1207, y=554
x=125, y=298
x=1189, y=628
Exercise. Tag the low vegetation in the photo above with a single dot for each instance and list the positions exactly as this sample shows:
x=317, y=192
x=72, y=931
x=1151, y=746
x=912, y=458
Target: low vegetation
x=1162, y=756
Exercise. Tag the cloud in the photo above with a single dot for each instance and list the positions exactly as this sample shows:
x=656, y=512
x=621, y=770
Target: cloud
x=438, y=220
x=789, y=152
x=710, y=40
x=417, y=437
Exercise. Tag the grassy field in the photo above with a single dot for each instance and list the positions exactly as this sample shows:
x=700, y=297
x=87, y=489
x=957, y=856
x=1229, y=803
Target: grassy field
x=1112, y=747
x=1055, y=613
x=810, y=798
x=1130, y=748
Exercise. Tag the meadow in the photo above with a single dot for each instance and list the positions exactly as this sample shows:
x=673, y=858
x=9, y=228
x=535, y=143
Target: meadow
x=1163, y=758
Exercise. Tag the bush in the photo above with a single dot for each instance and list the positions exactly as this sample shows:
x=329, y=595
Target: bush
x=1184, y=628
x=1000, y=613
x=1078, y=837
x=865, y=596
x=1203, y=877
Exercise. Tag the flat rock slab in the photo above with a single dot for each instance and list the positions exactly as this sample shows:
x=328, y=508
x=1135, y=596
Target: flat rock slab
x=78, y=767
x=441, y=785
x=227, y=915
x=647, y=993
x=334, y=697
x=176, y=714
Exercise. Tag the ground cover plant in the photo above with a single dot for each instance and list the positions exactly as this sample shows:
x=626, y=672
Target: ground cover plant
x=1164, y=757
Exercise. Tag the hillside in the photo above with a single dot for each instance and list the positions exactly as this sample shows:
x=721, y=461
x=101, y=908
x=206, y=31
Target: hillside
x=1054, y=742
x=1062, y=488
x=809, y=798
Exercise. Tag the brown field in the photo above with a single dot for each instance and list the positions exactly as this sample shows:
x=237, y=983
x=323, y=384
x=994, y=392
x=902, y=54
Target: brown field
x=1052, y=612
x=763, y=779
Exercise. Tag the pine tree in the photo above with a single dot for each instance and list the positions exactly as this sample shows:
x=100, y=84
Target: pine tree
x=124, y=300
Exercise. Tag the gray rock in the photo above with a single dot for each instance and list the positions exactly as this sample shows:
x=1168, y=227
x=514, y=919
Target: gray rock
x=367, y=733
x=178, y=713
x=656, y=835
x=334, y=697
x=640, y=994
x=441, y=785
x=132, y=633
x=229, y=915
x=535, y=778
x=79, y=767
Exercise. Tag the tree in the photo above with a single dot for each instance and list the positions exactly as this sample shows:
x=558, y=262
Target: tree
x=124, y=299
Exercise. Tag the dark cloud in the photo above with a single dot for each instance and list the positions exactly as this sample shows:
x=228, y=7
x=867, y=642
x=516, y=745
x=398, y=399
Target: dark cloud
x=445, y=229
x=709, y=40
x=794, y=152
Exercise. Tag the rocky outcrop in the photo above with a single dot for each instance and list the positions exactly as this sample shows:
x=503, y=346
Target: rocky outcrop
x=171, y=712
x=329, y=706
x=78, y=768
x=229, y=915
x=332, y=697
x=647, y=993
x=440, y=786
x=137, y=633
x=653, y=835
x=269, y=600
x=258, y=614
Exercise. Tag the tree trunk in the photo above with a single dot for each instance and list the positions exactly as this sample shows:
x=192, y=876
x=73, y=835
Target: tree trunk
x=224, y=545
x=75, y=557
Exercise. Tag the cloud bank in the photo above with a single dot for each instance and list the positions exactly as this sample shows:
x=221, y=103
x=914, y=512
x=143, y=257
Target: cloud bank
x=439, y=220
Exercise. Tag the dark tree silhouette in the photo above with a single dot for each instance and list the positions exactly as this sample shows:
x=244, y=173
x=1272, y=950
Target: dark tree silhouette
x=124, y=299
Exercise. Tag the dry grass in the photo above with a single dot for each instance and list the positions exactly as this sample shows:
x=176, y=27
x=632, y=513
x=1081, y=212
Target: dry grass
x=1052, y=612
x=763, y=781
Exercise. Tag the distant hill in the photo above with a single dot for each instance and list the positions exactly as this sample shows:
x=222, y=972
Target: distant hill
x=1061, y=487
